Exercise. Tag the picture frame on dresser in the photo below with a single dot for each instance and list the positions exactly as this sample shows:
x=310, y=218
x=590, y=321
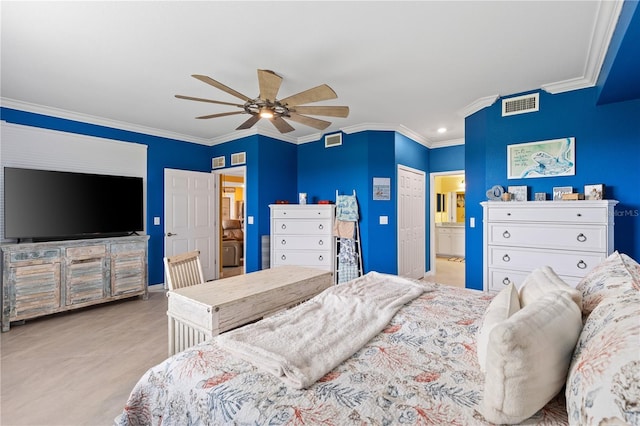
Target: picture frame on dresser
x=594, y=192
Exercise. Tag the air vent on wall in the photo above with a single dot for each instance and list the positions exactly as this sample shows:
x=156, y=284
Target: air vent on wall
x=333, y=140
x=520, y=104
x=238, y=158
x=217, y=162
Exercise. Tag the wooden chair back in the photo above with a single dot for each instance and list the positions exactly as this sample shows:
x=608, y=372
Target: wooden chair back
x=183, y=270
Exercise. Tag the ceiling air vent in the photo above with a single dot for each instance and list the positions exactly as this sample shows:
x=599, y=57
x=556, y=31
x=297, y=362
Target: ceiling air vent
x=520, y=104
x=238, y=158
x=333, y=140
x=217, y=162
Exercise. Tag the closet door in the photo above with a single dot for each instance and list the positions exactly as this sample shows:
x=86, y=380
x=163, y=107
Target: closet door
x=411, y=222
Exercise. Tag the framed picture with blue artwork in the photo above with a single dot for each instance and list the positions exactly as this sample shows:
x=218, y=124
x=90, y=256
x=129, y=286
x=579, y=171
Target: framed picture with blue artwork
x=552, y=158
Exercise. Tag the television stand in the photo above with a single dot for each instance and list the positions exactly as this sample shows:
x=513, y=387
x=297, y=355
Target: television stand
x=46, y=278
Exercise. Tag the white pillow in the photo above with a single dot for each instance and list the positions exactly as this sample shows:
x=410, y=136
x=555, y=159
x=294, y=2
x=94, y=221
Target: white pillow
x=528, y=358
x=542, y=281
x=503, y=305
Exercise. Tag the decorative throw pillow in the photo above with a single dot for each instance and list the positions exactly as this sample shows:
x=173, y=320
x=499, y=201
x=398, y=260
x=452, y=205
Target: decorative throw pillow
x=542, y=281
x=528, y=357
x=603, y=385
x=617, y=275
x=503, y=305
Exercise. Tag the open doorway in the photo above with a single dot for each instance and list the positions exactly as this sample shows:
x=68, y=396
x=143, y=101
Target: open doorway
x=232, y=221
x=447, y=230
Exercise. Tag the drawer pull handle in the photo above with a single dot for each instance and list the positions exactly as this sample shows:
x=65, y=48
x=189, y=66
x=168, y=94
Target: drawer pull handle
x=284, y=242
x=581, y=237
x=283, y=257
x=581, y=265
x=508, y=214
x=506, y=281
x=284, y=226
x=579, y=215
x=506, y=258
x=320, y=242
x=506, y=234
x=321, y=226
x=320, y=257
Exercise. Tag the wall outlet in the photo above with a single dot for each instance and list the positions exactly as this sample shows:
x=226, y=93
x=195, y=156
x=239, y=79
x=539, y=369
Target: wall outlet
x=250, y=220
x=156, y=220
x=472, y=222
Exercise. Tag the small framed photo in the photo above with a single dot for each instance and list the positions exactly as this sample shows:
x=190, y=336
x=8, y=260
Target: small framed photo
x=559, y=190
x=518, y=193
x=540, y=196
x=594, y=192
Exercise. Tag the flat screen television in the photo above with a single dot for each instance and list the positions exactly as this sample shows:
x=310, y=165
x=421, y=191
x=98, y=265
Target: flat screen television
x=42, y=205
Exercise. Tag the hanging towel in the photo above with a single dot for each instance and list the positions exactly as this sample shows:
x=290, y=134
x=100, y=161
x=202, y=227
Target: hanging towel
x=347, y=260
x=344, y=229
x=347, y=208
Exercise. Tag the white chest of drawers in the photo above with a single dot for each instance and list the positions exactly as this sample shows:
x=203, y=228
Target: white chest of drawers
x=569, y=236
x=301, y=234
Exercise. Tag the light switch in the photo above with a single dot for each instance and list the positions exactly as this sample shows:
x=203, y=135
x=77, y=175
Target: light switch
x=472, y=222
x=384, y=220
x=250, y=220
x=156, y=220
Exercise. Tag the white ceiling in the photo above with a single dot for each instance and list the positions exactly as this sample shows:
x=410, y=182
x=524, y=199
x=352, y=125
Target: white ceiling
x=412, y=66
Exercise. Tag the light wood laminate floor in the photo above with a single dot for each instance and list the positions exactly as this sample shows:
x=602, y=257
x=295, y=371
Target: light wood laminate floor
x=78, y=368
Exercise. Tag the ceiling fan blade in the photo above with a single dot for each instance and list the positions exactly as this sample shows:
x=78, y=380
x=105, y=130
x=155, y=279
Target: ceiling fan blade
x=309, y=121
x=316, y=94
x=222, y=114
x=330, y=111
x=191, y=98
x=221, y=86
x=269, y=83
x=249, y=123
x=281, y=125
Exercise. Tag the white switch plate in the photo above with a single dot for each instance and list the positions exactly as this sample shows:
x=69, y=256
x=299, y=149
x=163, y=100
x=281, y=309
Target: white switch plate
x=250, y=220
x=156, y=220
x=472, y=222
x=384, y=220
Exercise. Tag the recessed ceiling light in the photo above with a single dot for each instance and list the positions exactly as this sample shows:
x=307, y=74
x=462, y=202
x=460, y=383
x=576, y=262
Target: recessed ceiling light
x=442, y=129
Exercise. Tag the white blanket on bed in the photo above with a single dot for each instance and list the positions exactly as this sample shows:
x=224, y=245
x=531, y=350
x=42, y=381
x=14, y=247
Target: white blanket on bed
x=304, y=343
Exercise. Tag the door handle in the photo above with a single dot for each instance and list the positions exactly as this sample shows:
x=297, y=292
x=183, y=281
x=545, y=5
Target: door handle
x=170, y=234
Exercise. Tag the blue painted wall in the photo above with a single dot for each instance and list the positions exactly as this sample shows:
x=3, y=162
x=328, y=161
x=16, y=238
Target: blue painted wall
x=161, y=153
x=446, y=159
x=607, y=151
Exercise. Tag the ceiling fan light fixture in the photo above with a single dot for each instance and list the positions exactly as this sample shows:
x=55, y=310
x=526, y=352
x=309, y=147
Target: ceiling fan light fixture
x=266, y=113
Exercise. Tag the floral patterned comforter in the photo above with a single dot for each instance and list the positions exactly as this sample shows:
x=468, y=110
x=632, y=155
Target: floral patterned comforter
x=421, y=370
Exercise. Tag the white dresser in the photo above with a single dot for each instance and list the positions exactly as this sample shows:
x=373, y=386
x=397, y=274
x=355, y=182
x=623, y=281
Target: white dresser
x=569, y=236
x=301, y=234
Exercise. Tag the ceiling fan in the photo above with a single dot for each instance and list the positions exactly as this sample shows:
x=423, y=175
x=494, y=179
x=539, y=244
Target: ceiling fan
x=267, y=106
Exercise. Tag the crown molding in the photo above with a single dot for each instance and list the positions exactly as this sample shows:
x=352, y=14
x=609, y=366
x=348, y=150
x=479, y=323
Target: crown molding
x=238, y=134
x=384, y=127
x=98, y=121
x=450, y=142
x=604, y=27
x=477, y=105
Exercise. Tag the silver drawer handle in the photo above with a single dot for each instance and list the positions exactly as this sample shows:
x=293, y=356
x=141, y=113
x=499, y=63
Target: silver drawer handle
x=283, y=257
x=581, y=237
x=506, y=281
x=320, y=242
x=581, y=265
x=506, y=258
x=284, y=226
x=320, y=257
x=284, y=242
x=321, y=226
x=506, y=234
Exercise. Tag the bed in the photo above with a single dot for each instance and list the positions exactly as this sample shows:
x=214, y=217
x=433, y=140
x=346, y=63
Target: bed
x=421, y=368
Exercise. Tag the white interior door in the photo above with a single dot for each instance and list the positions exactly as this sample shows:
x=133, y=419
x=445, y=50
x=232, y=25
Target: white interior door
x=411, y=222
x=189, y=217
